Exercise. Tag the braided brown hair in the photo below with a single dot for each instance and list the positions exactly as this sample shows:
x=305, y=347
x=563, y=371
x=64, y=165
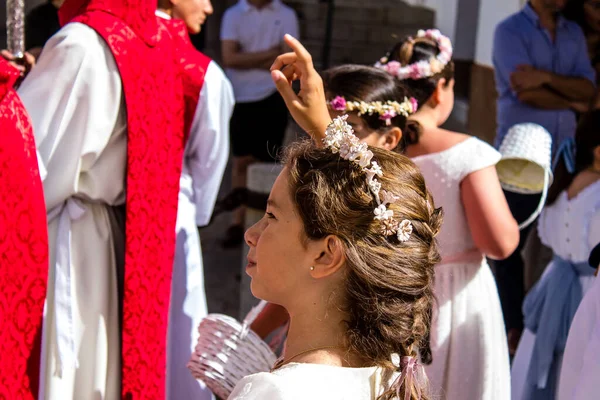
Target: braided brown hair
x=388, y=291
x=410, y=51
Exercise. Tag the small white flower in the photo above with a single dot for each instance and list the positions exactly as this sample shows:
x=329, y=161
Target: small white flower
x=375, y=187
x=388, y=197
x=404, y=230
x=376, y=169
x=340, y=138
x=382, y=213
x=344, y=151
x=365, y=158
x=370, y=175
x=356, y=151
x=395, y=359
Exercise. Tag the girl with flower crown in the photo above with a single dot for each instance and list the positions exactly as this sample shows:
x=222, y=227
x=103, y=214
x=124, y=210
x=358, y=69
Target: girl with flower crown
x=347, y=246
x=377, y=105
x=469, y=348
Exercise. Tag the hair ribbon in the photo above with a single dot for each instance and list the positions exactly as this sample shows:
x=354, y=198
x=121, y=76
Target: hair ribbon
x=407, y=376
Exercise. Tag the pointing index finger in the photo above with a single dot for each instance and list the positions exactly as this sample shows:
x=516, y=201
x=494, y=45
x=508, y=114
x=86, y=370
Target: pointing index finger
x=303, y=54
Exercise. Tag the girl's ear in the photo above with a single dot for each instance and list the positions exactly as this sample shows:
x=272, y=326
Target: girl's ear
x=391, y=138
x=331, y=258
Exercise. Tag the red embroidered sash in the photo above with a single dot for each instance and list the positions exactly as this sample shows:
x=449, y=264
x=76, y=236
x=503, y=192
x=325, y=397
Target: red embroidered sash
x=145, y=56
x=23, y=246
x=194, y=65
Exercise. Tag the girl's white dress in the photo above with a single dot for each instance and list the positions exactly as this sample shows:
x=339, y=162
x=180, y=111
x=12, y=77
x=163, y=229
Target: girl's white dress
x=572, y=229
x=468, y=340
x=296, y=381
x=579, y=378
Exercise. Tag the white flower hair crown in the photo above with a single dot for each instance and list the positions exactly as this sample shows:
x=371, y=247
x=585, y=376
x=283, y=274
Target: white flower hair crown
x=386, y=110
x=340, y=138
x=424, y=68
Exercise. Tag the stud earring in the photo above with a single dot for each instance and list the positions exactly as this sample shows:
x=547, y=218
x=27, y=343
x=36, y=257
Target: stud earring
x=312, y=268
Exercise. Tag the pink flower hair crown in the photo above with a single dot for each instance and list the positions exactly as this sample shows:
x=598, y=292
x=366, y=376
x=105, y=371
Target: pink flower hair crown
x=340, y=138
x=424, y=68
x=386, y=110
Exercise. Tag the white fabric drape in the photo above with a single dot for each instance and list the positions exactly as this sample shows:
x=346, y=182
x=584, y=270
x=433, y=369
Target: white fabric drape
x=74, y=98
x=206, y=154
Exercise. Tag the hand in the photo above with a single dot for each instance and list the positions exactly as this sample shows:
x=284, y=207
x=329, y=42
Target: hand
x=308, y=107
x=526, y=78
x=24, y=66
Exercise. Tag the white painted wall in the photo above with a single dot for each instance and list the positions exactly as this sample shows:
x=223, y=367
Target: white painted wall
x=445, y=14
x=491, y=12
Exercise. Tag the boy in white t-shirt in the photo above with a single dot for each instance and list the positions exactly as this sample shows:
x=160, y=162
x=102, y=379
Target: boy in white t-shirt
x=252, y=37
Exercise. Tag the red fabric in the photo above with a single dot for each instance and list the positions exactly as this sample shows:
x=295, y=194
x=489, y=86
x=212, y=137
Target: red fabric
x=154, y=100
x=23, y=245
x=138, y=15
x=193, y=64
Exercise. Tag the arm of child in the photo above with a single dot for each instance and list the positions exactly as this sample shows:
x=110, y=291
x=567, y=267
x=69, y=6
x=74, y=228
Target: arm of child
x=494, y=230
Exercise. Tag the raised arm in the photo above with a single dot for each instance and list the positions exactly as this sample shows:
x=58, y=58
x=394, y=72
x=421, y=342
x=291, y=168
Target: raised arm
x=308, y=107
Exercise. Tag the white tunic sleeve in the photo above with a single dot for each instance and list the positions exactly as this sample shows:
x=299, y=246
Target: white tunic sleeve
x=73, y=96
x=207, y=149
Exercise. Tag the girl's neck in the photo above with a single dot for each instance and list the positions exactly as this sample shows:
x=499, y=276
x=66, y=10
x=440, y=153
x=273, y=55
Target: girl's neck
x=426, y=117
x=321, y=329
x=583, y=179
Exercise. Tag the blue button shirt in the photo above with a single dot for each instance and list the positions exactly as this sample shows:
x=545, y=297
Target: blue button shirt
x=520, y=39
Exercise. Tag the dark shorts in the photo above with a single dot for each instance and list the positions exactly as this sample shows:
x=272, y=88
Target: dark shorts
x=257, y=129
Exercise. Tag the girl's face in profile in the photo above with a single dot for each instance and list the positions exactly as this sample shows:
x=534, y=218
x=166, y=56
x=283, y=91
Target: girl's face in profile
x=279, y=259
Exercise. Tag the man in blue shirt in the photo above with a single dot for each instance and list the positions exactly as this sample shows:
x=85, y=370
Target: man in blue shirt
x=543, y=75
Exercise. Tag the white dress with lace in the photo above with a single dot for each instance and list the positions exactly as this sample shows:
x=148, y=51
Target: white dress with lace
x=297, y=381
x=571, y=228
x=468, y=340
